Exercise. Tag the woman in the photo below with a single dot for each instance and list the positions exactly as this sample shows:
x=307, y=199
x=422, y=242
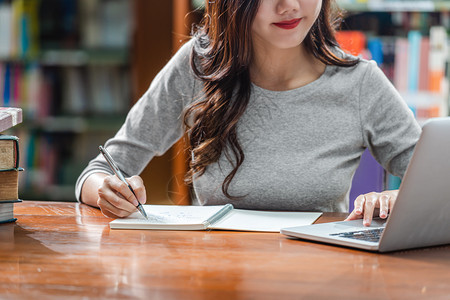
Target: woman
x=277, y=115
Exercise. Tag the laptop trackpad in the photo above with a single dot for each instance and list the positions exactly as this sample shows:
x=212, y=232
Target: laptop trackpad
x=354, y=225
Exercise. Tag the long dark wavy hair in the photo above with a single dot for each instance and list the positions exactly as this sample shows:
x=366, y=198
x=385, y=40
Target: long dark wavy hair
x=220, y=58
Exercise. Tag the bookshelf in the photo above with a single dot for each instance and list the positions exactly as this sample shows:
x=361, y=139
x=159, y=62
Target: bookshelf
x=67, y=64
x=395, y=6
x=409, y=41
x=76, y=69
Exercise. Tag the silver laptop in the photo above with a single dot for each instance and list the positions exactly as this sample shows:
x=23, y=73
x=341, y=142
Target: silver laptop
x=420, y=216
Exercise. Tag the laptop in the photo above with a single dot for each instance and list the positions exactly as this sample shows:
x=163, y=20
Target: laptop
x=421, y=214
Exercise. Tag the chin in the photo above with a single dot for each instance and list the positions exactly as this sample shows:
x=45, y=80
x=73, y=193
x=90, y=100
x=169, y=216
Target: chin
x=288, y=42
x=285, y=45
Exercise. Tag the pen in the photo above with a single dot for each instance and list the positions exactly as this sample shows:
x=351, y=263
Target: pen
x=119, y=174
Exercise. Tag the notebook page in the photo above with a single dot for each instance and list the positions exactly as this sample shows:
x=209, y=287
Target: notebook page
x=270, y=221
x=162, y=216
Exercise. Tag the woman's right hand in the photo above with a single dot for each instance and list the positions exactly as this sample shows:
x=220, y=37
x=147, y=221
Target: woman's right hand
x=115, y=198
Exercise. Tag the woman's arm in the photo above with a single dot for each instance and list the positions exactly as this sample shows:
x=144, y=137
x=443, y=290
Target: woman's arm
x=390, y=131
x=89, y=190
x=152, y=126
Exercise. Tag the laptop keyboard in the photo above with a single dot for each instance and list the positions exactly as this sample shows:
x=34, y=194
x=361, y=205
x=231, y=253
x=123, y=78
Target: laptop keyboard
x=369, y=235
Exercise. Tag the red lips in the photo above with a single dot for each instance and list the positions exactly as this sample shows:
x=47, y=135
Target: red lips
x=289, y=24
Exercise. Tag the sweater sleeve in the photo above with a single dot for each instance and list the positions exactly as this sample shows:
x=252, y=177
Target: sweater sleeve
x=389, y=128
x=153, y=124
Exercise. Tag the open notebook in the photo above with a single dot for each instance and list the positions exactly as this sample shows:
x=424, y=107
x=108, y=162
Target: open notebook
x=225, y=217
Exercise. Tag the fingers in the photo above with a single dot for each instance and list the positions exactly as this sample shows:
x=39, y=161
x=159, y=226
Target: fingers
x=387, y=200
x=392, y=197
x=366, y=205
x=384, y=205
x=112, y=211
x=115, y=199
x=137, y=184
x=118, y=186
x=369, y=207
x=358, y=208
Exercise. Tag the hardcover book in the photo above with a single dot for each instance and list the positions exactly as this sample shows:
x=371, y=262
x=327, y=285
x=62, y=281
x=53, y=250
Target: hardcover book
x=9, y=152
x=224, y=217
x=9, y=182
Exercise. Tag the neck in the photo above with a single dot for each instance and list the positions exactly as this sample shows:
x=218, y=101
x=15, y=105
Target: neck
x=284, y=69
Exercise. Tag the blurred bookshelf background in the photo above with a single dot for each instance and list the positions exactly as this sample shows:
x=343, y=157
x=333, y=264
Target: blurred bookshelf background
x=75, y=67
x=66, y=64
x=409, y=40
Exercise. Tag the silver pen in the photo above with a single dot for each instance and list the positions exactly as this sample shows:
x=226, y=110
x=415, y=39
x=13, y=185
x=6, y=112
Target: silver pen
x=119, y=174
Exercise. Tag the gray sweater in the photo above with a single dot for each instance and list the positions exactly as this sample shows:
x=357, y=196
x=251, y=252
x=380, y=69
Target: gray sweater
x=301, y=146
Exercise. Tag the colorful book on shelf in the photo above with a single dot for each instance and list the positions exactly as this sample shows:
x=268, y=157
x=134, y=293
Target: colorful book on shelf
x=9, y=117
x=353, y=42
x=401, y=64
x=5, y=29
x=223, y=217
x=388, y=65
x=414, y=41
x=6, y=95
x=437, y=57
x=424, y=69
x=2, y=82
x=25, y=27
x=375, y=47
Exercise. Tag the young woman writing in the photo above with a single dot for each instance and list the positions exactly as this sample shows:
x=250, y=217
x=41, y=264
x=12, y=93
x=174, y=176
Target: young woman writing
x=277, y=116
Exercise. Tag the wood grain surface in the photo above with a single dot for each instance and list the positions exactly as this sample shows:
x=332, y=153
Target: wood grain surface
x=62, y=250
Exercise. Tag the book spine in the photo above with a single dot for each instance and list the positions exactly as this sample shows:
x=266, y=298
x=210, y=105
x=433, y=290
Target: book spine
x=5, y=29
x=414, y=40
x=10, y=183
x=352, y=42
x=2, y=82
x=424, y=73
x=401, y=64
x=9, y=152
x=438, y=56
x=7, y=85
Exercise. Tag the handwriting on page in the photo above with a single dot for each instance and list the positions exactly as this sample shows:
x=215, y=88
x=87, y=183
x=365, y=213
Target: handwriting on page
x=174, y=215
x=170, y=217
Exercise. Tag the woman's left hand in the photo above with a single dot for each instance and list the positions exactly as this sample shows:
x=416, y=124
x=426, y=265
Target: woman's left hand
x=373, y=204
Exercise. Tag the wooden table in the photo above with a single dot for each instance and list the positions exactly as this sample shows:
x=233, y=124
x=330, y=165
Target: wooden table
x=67, y=251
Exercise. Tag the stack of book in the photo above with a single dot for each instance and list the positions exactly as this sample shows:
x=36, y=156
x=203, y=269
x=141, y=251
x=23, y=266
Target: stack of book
x=9, y=164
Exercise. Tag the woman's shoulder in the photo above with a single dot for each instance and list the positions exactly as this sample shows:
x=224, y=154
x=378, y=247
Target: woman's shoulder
x=178, y=68
x=360, y=70
x=183, y=54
